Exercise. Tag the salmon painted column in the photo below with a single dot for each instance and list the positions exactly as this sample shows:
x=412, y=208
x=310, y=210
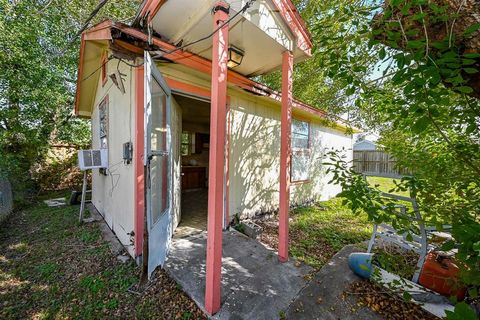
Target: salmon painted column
x=285, y=154
x=139, y=185
x=217, y=159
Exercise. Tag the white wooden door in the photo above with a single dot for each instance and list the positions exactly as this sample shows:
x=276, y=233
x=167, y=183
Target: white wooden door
x=158, y=163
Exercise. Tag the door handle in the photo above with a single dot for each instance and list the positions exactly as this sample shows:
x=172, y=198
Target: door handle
x=157, y=154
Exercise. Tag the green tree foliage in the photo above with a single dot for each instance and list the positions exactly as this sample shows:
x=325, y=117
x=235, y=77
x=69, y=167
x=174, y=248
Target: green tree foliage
x=39, y=48
x=324, y=79
x=397, y=77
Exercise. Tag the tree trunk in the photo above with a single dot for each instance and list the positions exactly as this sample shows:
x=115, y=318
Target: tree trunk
x=450, y=25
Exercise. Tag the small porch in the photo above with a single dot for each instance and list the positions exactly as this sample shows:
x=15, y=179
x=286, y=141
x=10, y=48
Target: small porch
x=255, y=285
x=252, y=38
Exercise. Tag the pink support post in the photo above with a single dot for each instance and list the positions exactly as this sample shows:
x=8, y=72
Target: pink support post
x=139, y=183
x=285, y=154
x=217, y=159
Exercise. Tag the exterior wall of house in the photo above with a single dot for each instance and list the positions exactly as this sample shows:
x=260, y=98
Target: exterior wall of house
x=255, y=159
x=254, y=156
x=323, y=140
x=113, y=192
x=254, y=142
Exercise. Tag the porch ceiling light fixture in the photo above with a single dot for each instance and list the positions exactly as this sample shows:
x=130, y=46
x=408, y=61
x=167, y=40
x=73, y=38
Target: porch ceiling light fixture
x=235, y=57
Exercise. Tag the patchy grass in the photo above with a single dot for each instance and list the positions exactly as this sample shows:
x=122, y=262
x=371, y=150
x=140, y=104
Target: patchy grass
x=318, y=232
x=386, y=185
x=53, y=268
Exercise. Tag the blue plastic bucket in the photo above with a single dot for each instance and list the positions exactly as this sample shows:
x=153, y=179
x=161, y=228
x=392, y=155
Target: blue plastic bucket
x=361, y=264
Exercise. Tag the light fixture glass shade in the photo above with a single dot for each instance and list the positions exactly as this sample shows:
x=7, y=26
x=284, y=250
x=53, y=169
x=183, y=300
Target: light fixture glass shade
x=235, y=57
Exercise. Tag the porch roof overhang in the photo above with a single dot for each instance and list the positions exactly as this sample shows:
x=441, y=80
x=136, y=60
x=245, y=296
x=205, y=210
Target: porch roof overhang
x=102, y=36
x=263, y=32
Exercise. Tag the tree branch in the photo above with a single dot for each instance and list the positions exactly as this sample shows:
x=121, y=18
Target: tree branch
x=426, y=33
x=466, y=160
x=92, y=15
x=453, y=23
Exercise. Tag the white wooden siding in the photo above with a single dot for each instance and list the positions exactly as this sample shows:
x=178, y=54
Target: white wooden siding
x=255, y=150
x=113, y=194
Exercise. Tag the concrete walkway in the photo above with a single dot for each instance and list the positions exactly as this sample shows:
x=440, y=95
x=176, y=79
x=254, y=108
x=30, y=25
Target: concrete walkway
x=322, y=297
x=254, y=284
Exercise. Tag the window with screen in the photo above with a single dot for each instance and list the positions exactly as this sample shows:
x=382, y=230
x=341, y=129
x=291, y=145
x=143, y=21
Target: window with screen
x=103, y=118
x=300, y=162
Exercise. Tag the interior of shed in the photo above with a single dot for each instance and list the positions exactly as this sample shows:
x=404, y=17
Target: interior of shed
x=195, y=140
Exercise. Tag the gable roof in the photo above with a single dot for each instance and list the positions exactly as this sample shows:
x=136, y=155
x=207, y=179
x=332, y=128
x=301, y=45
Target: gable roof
x=366, y=141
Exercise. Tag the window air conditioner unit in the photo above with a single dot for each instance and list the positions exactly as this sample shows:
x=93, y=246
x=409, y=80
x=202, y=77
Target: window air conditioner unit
x=92, y=159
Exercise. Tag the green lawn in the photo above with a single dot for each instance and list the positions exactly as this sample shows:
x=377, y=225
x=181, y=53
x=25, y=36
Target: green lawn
x=386, y=185
x=318, y=232
x=53, y=268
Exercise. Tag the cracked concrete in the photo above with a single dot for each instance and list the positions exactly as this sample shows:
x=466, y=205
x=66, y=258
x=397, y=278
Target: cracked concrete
x=254, y=284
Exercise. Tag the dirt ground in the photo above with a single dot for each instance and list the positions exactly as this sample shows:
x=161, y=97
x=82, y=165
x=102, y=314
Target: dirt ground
x=53, y=268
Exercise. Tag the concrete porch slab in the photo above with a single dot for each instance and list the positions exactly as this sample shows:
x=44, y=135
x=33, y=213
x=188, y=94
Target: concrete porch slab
x=254, y=284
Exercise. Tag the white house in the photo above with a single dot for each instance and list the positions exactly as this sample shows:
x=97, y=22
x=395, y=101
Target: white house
x=365, y=145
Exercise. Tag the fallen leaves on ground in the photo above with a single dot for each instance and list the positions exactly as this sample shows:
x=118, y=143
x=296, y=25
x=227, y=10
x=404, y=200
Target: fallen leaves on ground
x=318, y=254
x=53, y=268
x=269, y=235
x=317, y=232
x=387, y=304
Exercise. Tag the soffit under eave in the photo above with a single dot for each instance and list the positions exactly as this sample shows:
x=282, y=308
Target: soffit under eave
x=92, y=62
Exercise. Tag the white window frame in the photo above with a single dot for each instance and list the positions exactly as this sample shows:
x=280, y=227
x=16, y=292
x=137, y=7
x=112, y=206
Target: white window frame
x=300, y=153
x=103, y=123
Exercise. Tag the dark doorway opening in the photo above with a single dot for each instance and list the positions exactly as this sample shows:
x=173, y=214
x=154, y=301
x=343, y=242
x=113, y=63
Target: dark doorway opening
x=195, y=141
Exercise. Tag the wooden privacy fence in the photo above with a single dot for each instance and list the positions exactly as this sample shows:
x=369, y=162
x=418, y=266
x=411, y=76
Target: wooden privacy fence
x=376, y=163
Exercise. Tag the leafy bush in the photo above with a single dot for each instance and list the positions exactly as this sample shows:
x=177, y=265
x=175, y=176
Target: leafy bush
x=440, y=203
